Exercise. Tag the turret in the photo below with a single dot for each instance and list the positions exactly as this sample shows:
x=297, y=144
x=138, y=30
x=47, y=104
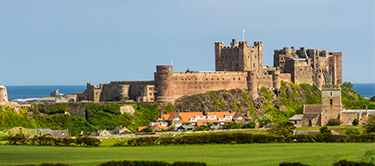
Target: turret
x=252, y=85
x=164, y=83
x=319, y=80
x=276, y=79
x=259, y=46
x=3, y=94
x=218, y=47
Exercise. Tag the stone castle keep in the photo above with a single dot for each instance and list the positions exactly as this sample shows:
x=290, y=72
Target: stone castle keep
x=237, y=66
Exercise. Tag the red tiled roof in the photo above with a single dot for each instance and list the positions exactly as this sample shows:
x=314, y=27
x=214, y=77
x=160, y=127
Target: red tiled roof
x=140, y=128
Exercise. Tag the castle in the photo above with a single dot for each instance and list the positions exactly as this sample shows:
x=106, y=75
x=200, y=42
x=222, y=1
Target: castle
x=237, y=66
x=331, y=108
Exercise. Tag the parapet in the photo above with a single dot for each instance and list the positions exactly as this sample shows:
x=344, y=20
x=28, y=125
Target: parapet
x=331, y=87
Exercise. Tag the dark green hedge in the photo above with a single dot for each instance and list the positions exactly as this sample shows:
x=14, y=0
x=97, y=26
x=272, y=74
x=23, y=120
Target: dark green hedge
x=44, y=140
x=46, y=164
x=240, y=138
x=151, y=163
x=353, y=163
x=292, y=164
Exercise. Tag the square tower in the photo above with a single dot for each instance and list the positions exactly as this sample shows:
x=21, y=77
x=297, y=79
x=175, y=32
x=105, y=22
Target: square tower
x=331, y=103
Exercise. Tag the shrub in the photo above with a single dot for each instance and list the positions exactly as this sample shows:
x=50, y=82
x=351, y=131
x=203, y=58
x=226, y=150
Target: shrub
x=355, y=122
x=147, y=129
x=202, y=128
x=292, y=164
x=334, y=122
x=18, y=138
x=248, y=125
x=353, y=163
x=352, y=131
x=232, y=125
x=370, y=125
x=324, y=129
x=283, y=129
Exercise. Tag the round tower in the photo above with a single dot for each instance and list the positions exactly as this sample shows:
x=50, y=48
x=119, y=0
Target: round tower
x=252, y=84
x=276, y=79
x=3, y=94
x=164, y=83
x=319, y=80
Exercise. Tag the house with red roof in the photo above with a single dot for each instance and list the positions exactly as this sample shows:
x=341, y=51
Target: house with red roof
x=215, y=119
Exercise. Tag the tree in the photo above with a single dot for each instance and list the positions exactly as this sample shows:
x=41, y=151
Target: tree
x=370, y=125
x=352, y=131
x=324, y=129
x=283, y=129
x=348, y=85
x=264, y=120
x=355, y=122
x=372, y=99
x=334, y=122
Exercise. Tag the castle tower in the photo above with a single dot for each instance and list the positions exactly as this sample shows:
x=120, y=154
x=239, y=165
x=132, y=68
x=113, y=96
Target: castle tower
x=252, y=84
x=259, y=46
x=3, y=94
x=164, y=83
x=238, y=56
x=218, y=47
x=276, y=79
x=331, y=103
x=319, y=80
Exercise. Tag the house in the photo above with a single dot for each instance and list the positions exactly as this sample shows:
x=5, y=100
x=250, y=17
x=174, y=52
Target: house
x=101, y=133
x=119, y=130
x=56, y=133
x=296, y=119
x=331, y=108
x=196, y=119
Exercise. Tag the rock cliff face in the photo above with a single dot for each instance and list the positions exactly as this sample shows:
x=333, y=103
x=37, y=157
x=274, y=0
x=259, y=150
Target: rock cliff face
x=289, y=95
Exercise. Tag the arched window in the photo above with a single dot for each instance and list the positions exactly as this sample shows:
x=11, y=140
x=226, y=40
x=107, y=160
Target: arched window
x=349, y=122
x=330, y=100
x=331, y=93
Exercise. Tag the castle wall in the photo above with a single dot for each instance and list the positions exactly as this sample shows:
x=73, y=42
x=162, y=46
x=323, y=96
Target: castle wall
x=188, y=83
x=331, y=103
x=286, y=77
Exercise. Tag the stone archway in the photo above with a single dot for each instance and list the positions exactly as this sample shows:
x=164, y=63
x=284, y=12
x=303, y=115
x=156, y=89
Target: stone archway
x=71, y=100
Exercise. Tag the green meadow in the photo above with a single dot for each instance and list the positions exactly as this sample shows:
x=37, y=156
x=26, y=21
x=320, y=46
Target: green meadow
x=227, y=154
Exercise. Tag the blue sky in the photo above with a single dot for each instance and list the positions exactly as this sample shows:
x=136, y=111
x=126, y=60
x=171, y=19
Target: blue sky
x=75, y=42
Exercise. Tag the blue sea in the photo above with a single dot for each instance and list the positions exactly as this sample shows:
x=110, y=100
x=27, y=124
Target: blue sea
x=22, y=92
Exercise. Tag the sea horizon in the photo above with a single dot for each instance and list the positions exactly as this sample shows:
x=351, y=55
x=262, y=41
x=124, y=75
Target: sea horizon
x=367, y=90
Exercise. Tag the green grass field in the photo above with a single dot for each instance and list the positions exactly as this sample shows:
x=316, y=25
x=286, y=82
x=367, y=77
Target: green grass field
x=236, y=154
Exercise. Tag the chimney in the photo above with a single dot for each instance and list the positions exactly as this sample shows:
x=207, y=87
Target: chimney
x=161, y=115
x=205, y=113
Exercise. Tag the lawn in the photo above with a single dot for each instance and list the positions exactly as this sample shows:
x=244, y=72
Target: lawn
x=236, y=154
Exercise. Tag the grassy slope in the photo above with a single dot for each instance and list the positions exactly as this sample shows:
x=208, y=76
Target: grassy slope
x=244, y=154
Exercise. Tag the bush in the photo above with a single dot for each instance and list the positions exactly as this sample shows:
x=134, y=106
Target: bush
x=370, y=125
x=147, y=129
x=353, y=163
x=324, y=129
x=202, y=128
x=355, y=122
x=232, y=125
x=248, y=125
x=334, y=122
x=292, y=164
x=352, y=131
x=18, y=138
x=283, y=129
